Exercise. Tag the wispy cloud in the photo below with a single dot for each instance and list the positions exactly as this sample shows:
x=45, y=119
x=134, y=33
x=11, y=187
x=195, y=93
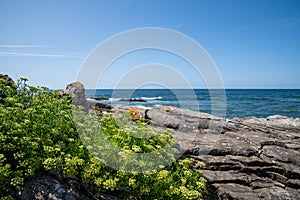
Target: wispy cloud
x=22, y=46
x=7, y=53
x=37, y=51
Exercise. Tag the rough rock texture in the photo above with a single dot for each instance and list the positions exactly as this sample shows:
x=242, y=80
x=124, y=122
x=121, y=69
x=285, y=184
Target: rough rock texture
x=47, y=187
x=54, y=186
x=99, y=106
x=246, y=158
x=76, y=89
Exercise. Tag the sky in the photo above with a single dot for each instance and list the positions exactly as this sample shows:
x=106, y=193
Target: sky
x=253, y=43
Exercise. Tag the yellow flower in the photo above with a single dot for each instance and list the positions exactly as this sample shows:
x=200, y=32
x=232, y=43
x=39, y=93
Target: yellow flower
x=163, y=174
x=187, y=173
x=183, y=181
x=136, y=148
x=89, y=147
x=131, y=182
x=110, y=184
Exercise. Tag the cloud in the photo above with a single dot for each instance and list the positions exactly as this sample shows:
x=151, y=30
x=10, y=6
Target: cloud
x=22, y=46
x=37, y=51
x=8, y=53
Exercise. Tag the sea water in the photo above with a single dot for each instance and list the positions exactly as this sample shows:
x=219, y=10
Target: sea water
x=236, y=102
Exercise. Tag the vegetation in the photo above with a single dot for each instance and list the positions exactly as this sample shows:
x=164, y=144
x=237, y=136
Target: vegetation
x=41, y=131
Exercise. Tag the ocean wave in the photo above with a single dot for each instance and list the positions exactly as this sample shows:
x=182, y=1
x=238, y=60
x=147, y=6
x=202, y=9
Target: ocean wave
x=115, y=99
x=90, y=99
x=151, y=98
x=137, y=98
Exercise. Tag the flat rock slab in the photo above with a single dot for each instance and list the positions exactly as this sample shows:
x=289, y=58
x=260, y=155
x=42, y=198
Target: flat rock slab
x=246, y=158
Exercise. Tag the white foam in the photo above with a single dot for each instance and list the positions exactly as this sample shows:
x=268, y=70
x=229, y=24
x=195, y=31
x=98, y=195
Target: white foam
x=90, y=99
x=150, y=98
x=114, y=99
x=144, y=107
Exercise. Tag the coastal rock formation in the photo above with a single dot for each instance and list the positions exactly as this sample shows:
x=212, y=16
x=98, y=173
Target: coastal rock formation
x=77, y=89
x=246, y=158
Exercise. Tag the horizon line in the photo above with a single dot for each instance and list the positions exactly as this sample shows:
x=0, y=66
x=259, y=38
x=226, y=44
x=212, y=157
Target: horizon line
x=187, y=89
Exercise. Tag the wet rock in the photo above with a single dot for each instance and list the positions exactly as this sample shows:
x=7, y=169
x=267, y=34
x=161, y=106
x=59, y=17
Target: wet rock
x=101, y=98
x=133, y=100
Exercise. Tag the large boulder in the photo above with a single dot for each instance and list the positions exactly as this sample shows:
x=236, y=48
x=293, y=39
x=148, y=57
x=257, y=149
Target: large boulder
x=77, y=89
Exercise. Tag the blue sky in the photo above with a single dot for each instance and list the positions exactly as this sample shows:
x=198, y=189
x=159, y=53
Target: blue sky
x=254, y=43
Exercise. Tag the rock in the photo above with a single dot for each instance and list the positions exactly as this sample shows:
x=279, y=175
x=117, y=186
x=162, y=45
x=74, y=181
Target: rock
x=47, y=187
x=78, y=90
x=278, y=193
x=101, y=98
x=182, y=119
x=54, y=186
x=230, y=191
x=246, y=158
x=282, y=154
x=133, y=100
x=230, y=176
x=99, y=106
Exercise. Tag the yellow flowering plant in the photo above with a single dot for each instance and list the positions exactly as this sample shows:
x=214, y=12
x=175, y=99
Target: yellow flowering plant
x=38, y=134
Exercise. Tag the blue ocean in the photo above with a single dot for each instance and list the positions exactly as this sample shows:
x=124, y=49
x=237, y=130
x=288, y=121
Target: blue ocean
x=238, y=102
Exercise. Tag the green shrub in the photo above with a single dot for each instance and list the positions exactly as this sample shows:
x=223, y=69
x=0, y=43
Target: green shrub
x=40, y=131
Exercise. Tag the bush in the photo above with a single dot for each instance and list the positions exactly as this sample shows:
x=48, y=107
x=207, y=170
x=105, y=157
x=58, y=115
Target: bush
x=41, y=131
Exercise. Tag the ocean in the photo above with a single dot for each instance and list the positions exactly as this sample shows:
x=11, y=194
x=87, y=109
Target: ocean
x=237, y=102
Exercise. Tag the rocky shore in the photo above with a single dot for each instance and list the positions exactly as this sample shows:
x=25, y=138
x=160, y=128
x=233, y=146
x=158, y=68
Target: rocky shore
x=246, y=158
